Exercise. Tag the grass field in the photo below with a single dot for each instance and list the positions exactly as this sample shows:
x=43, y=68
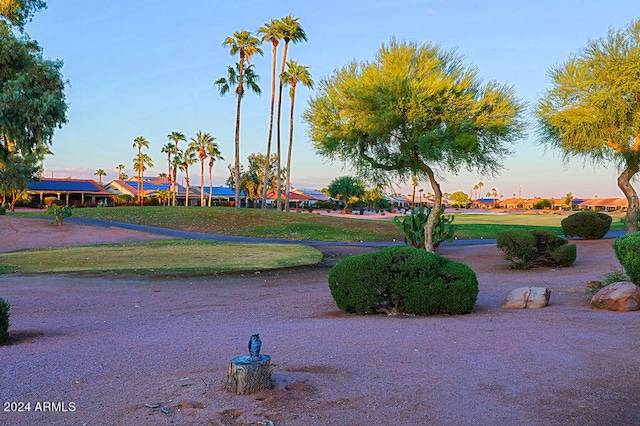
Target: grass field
x=301, y=226
x=160, y=257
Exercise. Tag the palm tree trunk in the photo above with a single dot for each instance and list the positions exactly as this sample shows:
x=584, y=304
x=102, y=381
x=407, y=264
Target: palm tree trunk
x=236, y=166
x=278, y=171
x=169, y=184
x=174, y=181
x=288, y=184
x=210, y=182
x=267, y=166
x=624, y=183
x=202, y=182
x=186, y=178
x=142, y=186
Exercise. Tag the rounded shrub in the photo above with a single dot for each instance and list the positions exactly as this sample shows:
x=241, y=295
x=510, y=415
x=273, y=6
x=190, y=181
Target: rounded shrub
x=530, y=249
x=587, y=225
x=403, y=279
x=4, y=320
x=627, y=250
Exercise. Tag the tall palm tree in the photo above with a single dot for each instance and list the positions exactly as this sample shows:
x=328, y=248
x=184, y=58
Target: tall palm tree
x=175, y=137
x=140, y=142
x=480, y=186
x=270, y=32
x=214, y=155
x=120, y=167
x=140, y=163
x=201, y=145
x=414, y=183
x=245, y=45
x=294, y=74
x=100, y=173
x=250, y=81
x=188, y=159
x=293, y=32
x=168, y=148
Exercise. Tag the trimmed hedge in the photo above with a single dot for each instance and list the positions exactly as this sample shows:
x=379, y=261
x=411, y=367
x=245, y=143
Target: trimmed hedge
x=587, y=225
x=403, y=279
x=4, y=320
x=530, y=249
x=627, y=249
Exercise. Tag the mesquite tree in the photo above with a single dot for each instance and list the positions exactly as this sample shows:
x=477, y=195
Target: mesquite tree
x=415, y=110
x=593, y=108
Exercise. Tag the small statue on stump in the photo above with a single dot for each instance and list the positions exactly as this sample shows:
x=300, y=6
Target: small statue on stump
x=250, y=373
x=254, y=347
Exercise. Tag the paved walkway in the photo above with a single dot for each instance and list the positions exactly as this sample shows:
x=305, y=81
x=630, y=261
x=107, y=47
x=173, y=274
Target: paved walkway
x=175, y=233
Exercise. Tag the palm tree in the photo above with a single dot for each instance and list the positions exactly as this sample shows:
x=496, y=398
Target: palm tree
x=140, y=142
x=40, y=151
x=188, y=159
x=480, y=186
x=414, y=183
x=291, y=32
x=214, y=155
x=175, y=137
x=120, y=167
x=100, y=173
x=140, y=163
x=169, y=148
x=294, y=74
x=201, y=144
x=245, y=45
x=270, y=32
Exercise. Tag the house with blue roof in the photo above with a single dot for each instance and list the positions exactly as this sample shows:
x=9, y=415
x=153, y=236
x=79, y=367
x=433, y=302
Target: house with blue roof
x=78, y=192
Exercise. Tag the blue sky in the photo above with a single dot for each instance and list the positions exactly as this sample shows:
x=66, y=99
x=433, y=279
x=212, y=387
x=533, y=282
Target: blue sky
x=147, y=68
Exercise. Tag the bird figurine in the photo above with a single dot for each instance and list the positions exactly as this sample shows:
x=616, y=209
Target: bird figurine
x=254, y=346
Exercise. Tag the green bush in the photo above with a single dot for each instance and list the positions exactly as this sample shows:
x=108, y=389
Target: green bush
x=3, y=211
x=403, y=279
x=587, y=225
x=4, y=320
x=627, y=249
x=59, y=213
x=530, y=249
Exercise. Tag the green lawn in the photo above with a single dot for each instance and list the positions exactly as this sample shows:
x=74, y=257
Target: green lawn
x=160, y=257
x=303, y=226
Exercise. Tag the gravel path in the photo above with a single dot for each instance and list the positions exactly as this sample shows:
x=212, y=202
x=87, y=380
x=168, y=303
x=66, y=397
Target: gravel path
x=101, y=347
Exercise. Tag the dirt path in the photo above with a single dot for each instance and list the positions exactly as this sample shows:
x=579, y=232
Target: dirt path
x=107, y=345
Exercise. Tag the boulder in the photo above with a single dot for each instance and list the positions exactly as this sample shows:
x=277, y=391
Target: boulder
x=527, y=297
x=621, y=297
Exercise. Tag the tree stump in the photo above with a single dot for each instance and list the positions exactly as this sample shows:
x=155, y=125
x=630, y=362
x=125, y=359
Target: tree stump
x=248, y=375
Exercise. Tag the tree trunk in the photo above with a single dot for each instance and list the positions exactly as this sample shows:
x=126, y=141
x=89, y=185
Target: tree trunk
x=437, y=205
x=247, y=376
x=278, y=171
x=202, y=203
x=624, y=183
x=267, y=166
x=288, y=184
x=210, y=182
x=236, y=166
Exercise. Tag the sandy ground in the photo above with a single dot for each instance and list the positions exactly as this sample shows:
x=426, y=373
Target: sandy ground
x=93, y=350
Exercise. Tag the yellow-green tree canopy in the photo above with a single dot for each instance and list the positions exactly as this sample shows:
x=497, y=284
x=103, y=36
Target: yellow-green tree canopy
x=415, y=110
x=592, y=109
x=19, y=12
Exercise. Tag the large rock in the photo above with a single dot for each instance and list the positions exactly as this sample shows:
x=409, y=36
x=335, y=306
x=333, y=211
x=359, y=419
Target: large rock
x=621, y=297
x=527, y=297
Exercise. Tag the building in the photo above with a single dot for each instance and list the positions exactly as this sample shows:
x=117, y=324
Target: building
x=72, y=192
